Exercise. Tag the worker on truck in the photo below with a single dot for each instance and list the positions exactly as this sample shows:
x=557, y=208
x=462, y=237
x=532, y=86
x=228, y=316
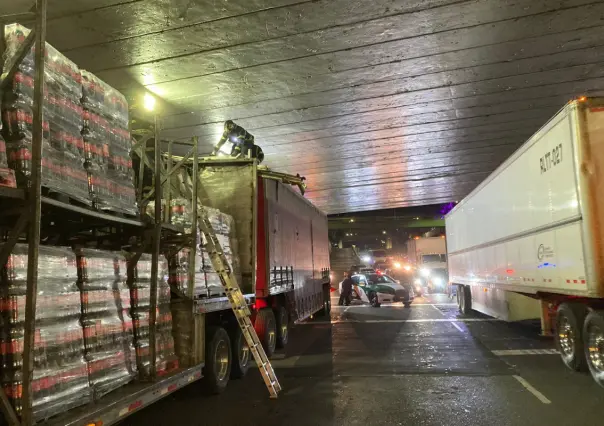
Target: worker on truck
x=243, y=142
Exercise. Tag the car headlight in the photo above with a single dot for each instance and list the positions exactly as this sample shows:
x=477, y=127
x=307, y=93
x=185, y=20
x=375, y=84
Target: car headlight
x=437, y=280
x=425, y=272
x=417, y=282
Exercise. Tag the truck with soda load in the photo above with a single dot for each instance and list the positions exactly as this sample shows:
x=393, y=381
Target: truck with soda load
x=529, y=241
x=127, y=273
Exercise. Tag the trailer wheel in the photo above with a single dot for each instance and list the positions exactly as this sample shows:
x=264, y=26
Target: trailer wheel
x=464, y=299
x=459, y=294
x=569, y=340
x=593, y=336
x=240, y=353
x=217, y=368
x=282, y=326
x=266, y=328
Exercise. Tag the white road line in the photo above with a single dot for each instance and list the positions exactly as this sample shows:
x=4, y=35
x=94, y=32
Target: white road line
x=439, y=311
x=342, y=321
x=516, y=352
x=532, y=390
x=457, y=327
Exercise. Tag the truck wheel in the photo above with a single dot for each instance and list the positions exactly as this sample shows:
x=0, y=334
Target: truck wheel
x=407, y=304
x=464, y=297
x=266, y=328
x=569, y=327
x=282, y=326
x=374, y=300
x=240, y=353
x=217, y=368
x=593, y=336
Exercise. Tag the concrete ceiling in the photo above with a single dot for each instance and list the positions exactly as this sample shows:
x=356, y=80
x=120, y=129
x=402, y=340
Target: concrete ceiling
x=380, y=104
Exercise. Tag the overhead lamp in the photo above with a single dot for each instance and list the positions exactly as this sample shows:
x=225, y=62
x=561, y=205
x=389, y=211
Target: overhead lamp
x=149, y=102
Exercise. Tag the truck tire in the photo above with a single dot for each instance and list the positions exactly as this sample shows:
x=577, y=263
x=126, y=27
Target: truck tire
x=217, y=367
x=240, y=353
x=570, y=319
x=266, y=328
x=464, y=299
x=593, y=337
x=282, y=326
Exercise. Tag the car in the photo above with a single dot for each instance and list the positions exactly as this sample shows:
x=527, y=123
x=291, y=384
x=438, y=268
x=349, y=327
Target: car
x=362, y=269
x=375, y=289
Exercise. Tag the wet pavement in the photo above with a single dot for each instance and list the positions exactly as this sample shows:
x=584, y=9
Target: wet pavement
x=426, y=365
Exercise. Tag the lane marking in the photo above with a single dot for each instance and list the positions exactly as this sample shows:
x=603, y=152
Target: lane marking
x=516, y=352
x=396, y=306
x=438, y=310
x=532, y=390
x=457, y=327
x=341, y=321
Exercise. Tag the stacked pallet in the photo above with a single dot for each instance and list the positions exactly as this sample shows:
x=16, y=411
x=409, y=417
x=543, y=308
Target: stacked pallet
x=63, y=147
x=140, y=299
x=108, y=338
x=60, y=375
x=86, y=143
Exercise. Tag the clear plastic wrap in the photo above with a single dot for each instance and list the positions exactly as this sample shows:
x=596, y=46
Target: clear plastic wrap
x=3, y=157
x=7, y=178
x=181, y=213
x=140, y=300
x=60, y=377
x=109, y=192
x=60, y=73
x=60, y=172
x=107, y=334
x=63, y=145
x=103, y=99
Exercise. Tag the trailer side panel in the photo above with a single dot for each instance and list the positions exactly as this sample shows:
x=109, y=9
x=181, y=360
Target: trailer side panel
x=297, y=238
x=521, y=229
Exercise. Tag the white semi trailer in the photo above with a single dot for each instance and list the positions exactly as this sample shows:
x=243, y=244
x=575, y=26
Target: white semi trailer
x=529, y=240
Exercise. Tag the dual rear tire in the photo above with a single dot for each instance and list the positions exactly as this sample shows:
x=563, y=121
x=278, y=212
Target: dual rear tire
x=580, y=339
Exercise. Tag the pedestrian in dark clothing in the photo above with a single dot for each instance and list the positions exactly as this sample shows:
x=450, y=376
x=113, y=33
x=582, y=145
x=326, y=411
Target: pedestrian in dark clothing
x=346, y=292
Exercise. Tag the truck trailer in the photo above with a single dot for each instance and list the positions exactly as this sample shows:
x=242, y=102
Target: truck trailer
x=106, y=299
x=529, y=240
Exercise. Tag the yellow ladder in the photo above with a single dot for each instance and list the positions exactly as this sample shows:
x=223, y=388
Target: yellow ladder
x=238, y=303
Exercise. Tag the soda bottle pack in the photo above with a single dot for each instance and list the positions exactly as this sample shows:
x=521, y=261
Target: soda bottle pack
x=63, y=146
x=60, y=375
x=140, y=299
x=108, y=336
x=86, y=142
x=207, y=281
x=107, y=145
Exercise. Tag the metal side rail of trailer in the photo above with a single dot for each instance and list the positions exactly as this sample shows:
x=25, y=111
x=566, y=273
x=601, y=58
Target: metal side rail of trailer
x=126, y=400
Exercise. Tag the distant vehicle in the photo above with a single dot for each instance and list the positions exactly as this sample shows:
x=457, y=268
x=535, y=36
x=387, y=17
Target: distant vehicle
x=362, y=269
x=429, y=255
x=379, y=255
x=375, y=289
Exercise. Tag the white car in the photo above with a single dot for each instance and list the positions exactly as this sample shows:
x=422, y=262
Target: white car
x=375, y=289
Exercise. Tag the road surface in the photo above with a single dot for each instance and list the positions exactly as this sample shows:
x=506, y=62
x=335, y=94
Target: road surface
x=426, y=365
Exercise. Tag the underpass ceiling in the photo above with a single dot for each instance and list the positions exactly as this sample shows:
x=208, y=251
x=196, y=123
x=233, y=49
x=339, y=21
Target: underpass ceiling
x=380, y=104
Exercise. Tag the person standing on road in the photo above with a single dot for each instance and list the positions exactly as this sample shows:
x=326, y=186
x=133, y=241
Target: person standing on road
x=346, y=291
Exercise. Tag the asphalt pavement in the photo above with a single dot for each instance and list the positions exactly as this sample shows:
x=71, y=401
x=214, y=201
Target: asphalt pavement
x=423, y=365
